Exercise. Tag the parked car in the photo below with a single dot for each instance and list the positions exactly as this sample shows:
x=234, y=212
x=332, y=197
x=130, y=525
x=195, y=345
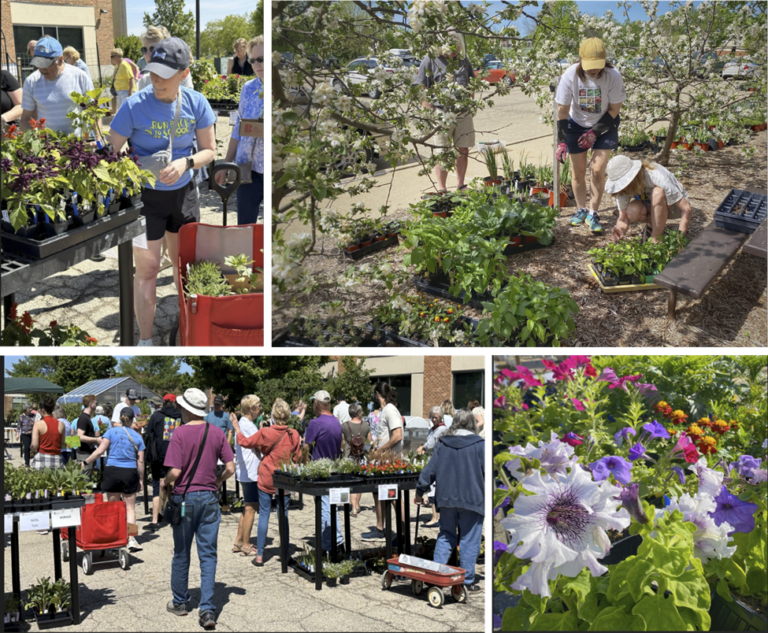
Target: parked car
x=359, y=72
x=494, y=73
x=739, y=69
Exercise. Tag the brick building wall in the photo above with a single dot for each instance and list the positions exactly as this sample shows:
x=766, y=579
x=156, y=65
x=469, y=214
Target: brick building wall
x=438, y=381
x=8, y=42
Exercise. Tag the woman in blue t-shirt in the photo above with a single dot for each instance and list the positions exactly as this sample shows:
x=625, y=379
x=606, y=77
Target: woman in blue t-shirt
x=145, y=121
x=124, y=471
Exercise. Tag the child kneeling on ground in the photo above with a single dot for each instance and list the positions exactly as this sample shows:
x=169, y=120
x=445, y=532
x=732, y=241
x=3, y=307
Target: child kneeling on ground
x=646, y=192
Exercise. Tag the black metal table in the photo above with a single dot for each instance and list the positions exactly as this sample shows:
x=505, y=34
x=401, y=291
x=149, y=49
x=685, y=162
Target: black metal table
x=283, y=485
x=19, y=273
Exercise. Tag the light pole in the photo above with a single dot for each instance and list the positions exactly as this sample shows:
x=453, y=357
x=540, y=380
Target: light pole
x=197, y=30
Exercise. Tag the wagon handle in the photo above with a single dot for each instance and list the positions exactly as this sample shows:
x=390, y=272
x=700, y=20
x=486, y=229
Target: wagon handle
x=225, y=190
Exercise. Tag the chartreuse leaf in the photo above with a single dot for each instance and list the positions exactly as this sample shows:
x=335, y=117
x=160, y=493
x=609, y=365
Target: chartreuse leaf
x=690, y=589
x=659, y=613
x=535, y=601
x=639, y=581
x=517, y=619
x=555, y=622
x=723, y=591
x=669, y=561
x=757, y=580
x=733, y=572
x=618, y=619
x=579, y=586
x=617, y=585
x=589, y=609
x=498, y=497
x=696, y=620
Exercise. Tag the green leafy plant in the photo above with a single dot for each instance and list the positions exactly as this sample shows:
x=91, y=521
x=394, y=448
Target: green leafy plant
x=205, y=279
x=41, y=596
x=491, y=164
x=249, y=278
x=507, y=166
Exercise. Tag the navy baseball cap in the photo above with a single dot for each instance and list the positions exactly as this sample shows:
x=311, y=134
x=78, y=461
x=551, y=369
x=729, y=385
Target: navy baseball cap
x=169, y=57
x=47, y=51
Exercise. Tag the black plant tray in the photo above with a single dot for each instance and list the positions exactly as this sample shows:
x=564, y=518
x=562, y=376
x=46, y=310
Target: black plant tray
x=13, y=626
x=40, y=249
x=287, y=339
x=67, y=503
x=635, y=148
x=304, y=573
x=373, y=248
x=223, y=105
x=734, y=616
x=438, y=286
x=754, y=206
x=524, y=248
x=31, y=505
x=380, y=480
x=403, y=341
x=48, y=622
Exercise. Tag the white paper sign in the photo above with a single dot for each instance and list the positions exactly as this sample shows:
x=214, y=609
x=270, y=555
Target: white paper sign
x=8, y=523
x=233, y=117
x=33, y=521
x=6, y=217
x=387, y=492
x=65, y=518
x=339, y=496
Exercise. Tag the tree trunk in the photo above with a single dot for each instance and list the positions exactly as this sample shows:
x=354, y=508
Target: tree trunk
x=663, y=158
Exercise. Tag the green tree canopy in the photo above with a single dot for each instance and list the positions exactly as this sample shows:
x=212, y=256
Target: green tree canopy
x=257, y=18
x=353, y=380
x=161, y=374
x=171, y=15
x=217, y=38
x=131, y=45
x=68, y=371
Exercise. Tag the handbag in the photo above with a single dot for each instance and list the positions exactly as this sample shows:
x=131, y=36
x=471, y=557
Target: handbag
x=172, y=511
x=112, y=90
x=160, y=160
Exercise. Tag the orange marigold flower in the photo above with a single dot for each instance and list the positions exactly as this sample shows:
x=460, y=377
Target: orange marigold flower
x=704, y=422
x=450, y=310
x=437, y=319
x=678, y=417
x=446, y=320
x=734, y=424
x=721, y=426
x=707, y=445
x=672, y=431
x=695, y=431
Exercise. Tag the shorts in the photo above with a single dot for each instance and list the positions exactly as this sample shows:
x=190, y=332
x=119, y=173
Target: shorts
x=158, y=474
x=120, y=480
x=122, y=95
x=168, y=211
x=609, y=140
x=462, y=134
x=250, y=491
x=43, y=460
x=673, y=212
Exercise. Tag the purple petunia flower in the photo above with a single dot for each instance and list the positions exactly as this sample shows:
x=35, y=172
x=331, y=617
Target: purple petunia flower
x=730, y=509
x=624, y=434
x=496, y=621
x=680, y=474
x=578, y=404
x=500, y=402
x=612, y=465
x=499, y=548
x=608, y=375
x=746, y=465
x=631, y=503
x=656, y=430
x=646, y=389
x=636, y=452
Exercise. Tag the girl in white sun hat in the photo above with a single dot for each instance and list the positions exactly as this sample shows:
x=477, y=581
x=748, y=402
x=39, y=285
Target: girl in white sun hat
x=646, y=192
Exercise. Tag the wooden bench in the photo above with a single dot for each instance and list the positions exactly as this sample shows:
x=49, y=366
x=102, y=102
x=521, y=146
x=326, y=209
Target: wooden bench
x=756, y=244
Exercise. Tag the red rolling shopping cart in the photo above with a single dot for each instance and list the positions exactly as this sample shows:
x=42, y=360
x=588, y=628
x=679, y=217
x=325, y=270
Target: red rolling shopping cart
x=102, y=529
x=421, y=578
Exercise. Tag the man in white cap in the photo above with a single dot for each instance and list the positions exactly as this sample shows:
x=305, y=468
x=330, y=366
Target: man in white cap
x=193, y=453
x=647, y=193
x=46, y=93
x=131, y=396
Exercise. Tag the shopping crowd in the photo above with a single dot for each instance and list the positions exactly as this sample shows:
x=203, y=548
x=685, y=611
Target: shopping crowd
x=188, y=450
x=164, y=122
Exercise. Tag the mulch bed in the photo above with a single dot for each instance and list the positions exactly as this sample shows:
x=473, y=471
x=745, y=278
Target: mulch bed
x=732, y=313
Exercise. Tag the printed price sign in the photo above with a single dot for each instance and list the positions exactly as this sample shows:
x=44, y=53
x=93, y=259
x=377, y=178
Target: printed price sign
x=73, y=441
x=339, y=496
x=233, y=118
x=33, y=521
x=8, y=523
x=388, y=492
x=65, y=518
x=252, y=127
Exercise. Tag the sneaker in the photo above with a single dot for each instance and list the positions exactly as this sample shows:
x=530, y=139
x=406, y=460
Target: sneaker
x=594, y=223
x=373, y=535
x=473, y=588
x=133, y=545
x=147, y=343
x=579, y=218
x=180, y=609
x=208, y=620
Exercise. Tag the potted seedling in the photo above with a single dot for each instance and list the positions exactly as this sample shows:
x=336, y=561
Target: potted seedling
x=508, y=169
x=660, y=136
x=331, y=573
x=247, y=278
x=539, y=191
x=492, y=180
x=566, y=191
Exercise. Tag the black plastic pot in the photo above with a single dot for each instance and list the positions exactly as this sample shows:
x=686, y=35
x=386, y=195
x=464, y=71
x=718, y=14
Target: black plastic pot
x=52, y=229
x=622, y=550
x=734, y=616
x=608, y=278
x=84, y=218
x=56, y=620
x=638, y=279
x=331, y=582
x=625, y=280
x=344, y=580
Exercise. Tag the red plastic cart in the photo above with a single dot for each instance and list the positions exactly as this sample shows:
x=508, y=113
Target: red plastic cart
x=103, y=529
x=421, y=578
x=220, y=321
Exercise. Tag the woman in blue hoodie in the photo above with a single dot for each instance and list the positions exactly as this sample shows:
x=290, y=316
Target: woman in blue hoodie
x=458, y=466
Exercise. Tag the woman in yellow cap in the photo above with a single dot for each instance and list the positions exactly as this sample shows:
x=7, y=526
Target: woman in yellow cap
x=588, y=99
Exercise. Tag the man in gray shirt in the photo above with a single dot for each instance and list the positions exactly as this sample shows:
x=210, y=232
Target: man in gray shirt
x=461, y=133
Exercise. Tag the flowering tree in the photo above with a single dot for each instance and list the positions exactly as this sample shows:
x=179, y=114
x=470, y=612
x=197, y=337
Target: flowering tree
x=669, y=64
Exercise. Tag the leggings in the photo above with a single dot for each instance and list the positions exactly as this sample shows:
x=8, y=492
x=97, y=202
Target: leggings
x=26, y=445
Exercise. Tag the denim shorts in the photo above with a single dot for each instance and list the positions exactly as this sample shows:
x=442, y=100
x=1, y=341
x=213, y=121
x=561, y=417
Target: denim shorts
x=609, y=140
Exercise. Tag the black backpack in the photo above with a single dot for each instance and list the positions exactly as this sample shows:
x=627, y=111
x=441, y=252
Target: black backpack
x=356, y=444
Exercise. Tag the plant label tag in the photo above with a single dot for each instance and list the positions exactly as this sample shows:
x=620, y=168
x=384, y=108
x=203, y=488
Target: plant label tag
x=388, y=492
x=65, y=518
x=233, y=118
x=339, y=496
x=252, y=127
x=8, y=523
x=33, y=521
x=6, y=217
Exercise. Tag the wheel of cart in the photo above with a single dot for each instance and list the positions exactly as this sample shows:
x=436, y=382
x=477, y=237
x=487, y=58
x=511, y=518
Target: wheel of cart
x=102, y=529
x=435, y=581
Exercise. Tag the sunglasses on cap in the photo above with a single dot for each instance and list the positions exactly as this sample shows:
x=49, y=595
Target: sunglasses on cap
x=145, y=50
x=253, y=60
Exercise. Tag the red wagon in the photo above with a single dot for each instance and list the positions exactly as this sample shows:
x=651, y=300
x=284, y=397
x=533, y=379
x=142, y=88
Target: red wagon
x=421, y=578
x=102, y=529
x=237, y=320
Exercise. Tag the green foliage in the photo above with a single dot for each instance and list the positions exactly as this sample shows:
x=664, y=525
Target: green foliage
x=206, y=280
x=635, y=257
x=218, y=36
x=131, y=45
x=353, y=379
x=161, y=374
x=202, y=71
x=171, y=15
x=257, y=18
x=45, y=593
x=67, y=371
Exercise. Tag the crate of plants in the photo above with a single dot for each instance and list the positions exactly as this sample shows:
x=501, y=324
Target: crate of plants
x=631, y=265
x=223, y=91
x=29, y=490
x=320, y=473
x=371, y=236
x=386, y=467
x=634, y=141
x=233, y=504
x=11, y=613
x=50, y=602
x=741, y=211
x=303, y=332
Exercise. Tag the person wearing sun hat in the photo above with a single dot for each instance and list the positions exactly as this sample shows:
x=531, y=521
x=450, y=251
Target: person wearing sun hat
x=646, y=192
x=589, y=97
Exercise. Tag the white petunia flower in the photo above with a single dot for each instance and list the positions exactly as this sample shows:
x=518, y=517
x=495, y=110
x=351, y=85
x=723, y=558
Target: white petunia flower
x=554, y=456
x=710, y=481
x=561, y=527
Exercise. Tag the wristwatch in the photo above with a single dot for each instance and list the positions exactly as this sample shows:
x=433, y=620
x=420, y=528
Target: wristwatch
x=190, y=162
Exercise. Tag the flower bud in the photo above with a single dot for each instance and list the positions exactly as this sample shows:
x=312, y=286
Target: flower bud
x=631, y=503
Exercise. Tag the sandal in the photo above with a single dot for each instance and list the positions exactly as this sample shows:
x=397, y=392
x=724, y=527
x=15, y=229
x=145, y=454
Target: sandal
x=258, y=563
x=248, y=550
x=237, y=548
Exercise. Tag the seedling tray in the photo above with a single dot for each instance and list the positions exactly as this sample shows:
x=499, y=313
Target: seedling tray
x=58, y=620
x=58, y=503
x=438, y=286
x=525, y=247
x=394, y=240
x=223, y=105
x=621, y=287
x=287, y=339
x=741, y=211
x=40, y=249
x=403, y=341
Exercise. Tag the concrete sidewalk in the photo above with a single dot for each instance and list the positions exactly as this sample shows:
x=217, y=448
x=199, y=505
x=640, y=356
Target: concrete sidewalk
x=247, y=598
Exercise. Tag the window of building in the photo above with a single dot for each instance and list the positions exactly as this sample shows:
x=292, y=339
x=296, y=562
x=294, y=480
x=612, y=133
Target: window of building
x=468, y=385
x=66, y=35
x=402, y=385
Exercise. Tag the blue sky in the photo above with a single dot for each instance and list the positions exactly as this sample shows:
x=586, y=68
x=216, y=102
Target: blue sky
x=209, y=10
x=10, y=361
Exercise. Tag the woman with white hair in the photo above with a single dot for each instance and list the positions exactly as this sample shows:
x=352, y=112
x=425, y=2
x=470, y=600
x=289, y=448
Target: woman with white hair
x=247, y=472
x=435, y=433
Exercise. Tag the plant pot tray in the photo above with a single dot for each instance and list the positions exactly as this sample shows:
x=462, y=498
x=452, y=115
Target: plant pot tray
x=40, y=249
x=438, y=286
x=620, y=287
x=288, y=339
x=734, y=616
x=524, y=248
x=373, y=248
x=58, y=620
x=224, y=106
x=404, y=341
x=751, y=211
x=67, y=504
